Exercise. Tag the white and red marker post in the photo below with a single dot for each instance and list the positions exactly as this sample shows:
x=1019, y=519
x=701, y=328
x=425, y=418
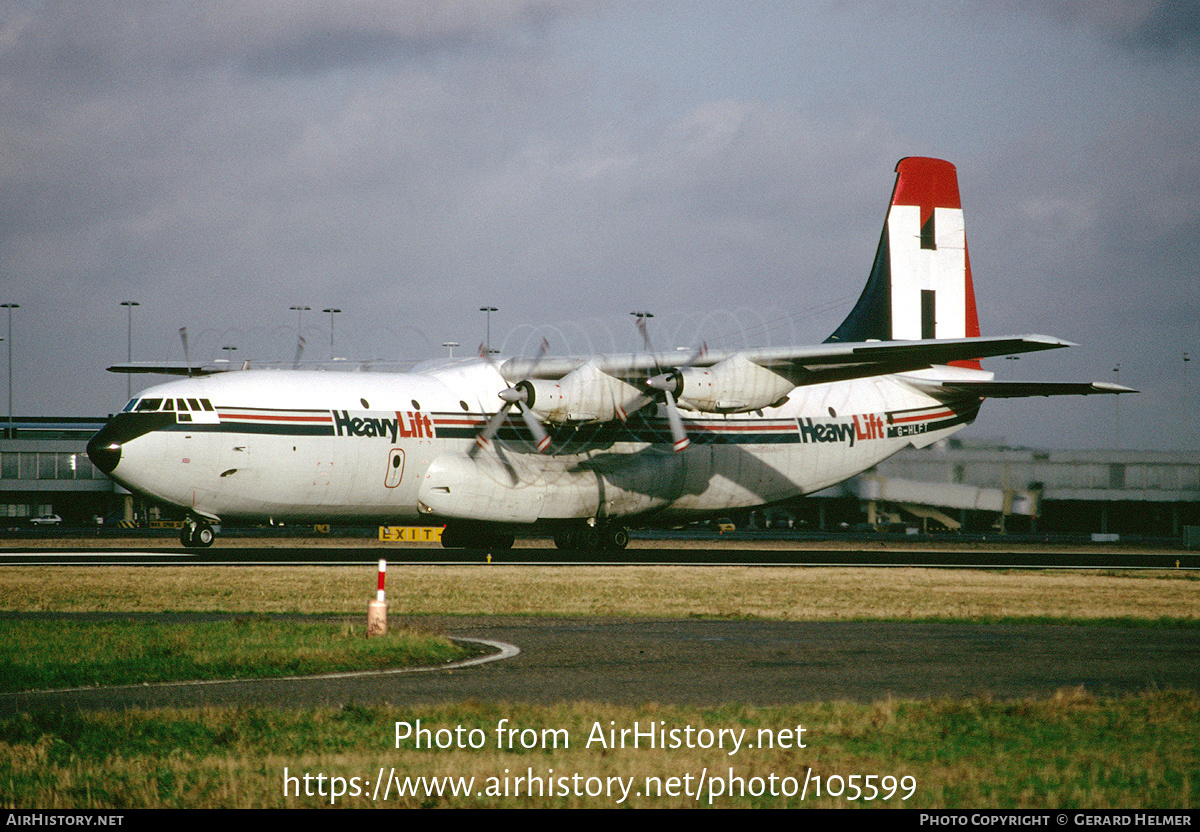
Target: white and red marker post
x=377, y=609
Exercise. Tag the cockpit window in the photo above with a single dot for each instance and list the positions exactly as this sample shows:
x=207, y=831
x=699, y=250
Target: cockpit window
x=206, y=404
x=169, y=404
x=147, y=405
x=194, y=404
x=129, y=407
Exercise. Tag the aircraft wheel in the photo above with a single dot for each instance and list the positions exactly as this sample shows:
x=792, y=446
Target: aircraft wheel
x=197, y=535
x=204, y=535
x=475, y=537
x=615, y=537
x=567, y=539
x=589, y=538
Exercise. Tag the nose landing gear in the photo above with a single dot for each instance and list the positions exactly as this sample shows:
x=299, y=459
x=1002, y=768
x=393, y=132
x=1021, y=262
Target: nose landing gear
x=197, y=533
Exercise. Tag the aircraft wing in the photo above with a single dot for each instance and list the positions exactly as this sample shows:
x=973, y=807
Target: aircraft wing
x=1022, y=389
x=813, y=364
x=174, y=368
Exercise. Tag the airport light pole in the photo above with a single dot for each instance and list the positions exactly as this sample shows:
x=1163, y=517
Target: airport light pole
x=10, y=307
x=451, y=345
x=299, y=310
x=489, y=310
x=129, y=304
x=331, y=312
x=1117, y=409
x=642, y=317
x=1186, y=398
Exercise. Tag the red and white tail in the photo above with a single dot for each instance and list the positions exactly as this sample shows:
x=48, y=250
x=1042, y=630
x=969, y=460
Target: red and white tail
x=920, y=285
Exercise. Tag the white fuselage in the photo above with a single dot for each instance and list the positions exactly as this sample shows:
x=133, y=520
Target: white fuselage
x=392, y=447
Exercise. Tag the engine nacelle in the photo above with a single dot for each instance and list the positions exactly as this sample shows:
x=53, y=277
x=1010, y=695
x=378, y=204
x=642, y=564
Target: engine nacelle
x=736, y=385
x=583, y=395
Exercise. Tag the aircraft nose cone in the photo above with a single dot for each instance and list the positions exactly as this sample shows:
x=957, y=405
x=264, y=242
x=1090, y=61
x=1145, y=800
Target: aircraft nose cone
x=104, y=451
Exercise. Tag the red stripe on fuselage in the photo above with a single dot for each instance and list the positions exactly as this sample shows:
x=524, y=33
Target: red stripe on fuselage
x=925, y=417
x=265, y=417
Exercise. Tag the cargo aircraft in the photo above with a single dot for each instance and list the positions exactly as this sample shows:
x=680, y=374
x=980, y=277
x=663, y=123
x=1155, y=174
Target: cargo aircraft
x=587, y=447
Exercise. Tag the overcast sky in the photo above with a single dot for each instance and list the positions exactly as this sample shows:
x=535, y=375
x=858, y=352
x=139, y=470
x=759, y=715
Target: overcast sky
x=723, y=165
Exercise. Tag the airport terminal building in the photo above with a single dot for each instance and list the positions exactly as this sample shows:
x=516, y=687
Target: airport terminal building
x=981, y=485
x=44, y=470
x=955, y=485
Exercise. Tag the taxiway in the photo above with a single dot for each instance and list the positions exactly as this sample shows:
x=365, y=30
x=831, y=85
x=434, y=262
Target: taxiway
x=632, y=661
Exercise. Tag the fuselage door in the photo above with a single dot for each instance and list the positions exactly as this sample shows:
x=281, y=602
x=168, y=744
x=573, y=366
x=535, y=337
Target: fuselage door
x=395, y=468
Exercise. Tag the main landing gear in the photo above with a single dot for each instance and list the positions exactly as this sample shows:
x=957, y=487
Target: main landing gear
x=197, y=533
x=476, y=536
x=607, y=537
x=578, y=536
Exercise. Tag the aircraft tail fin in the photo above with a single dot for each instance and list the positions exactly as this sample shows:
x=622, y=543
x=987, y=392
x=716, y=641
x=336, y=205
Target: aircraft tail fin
x=920, y=284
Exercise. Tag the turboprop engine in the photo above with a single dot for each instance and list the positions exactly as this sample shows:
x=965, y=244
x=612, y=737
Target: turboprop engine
x=735, y=385
x=583, y=395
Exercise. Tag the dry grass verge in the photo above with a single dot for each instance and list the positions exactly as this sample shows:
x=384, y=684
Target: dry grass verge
x=787, y=593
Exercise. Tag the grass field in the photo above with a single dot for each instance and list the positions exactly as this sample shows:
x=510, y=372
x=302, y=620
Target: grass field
x=1069, y=750
x=51, y=655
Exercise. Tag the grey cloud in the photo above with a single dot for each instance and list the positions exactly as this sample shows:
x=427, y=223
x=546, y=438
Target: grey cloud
x=1168, y=25
x=85, y=42
x=1139, y=25
x=326, y=49
x=410, y=161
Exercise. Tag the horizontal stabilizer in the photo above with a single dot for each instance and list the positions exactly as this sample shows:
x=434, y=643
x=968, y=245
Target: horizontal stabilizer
x=1021, y=389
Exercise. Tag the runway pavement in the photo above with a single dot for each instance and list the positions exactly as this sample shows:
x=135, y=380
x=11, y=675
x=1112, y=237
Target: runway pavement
x=710, y=662
x=87, y=553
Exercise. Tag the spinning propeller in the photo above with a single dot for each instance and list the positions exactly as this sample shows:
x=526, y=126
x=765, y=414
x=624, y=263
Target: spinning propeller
x=669, y=384
x=519, y=396
x=187, y=356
